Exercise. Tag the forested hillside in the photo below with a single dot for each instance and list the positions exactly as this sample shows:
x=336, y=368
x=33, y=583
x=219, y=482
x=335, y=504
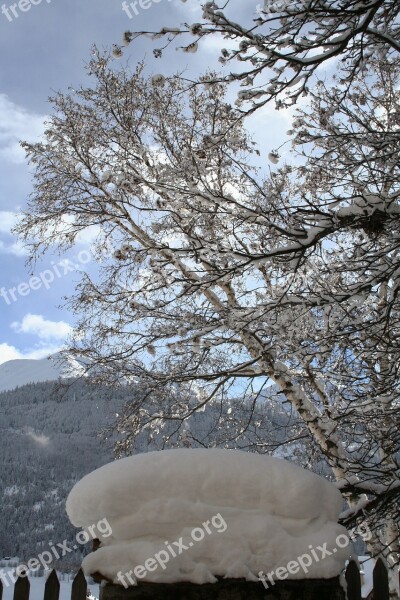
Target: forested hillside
x=50, y=436
x=48, y=440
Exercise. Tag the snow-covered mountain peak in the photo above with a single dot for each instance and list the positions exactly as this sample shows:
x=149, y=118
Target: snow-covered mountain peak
x=20, y=372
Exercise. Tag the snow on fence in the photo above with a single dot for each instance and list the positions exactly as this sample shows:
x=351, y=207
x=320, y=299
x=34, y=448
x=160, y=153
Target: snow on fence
x=79, y=587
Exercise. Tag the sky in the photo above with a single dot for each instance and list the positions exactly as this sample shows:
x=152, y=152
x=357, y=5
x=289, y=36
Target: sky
x=44, y=46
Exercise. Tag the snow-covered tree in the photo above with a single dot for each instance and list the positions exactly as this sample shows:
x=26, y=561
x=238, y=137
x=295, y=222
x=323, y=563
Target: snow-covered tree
x=275, y=53
x=224, y=278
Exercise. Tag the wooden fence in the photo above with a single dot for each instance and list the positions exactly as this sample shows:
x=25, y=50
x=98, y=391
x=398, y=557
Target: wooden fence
x=79, y=585
x=380, y=582
x=51, y=588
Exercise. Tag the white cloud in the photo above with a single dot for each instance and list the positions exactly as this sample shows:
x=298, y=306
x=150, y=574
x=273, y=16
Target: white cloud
x=16, y=124
x=88, y=236
x=329, y=65
x=8, y=352
x=7, y=220
x=42, y=328
x=10, y=244
x=15, y=248
x=216, y=43
x=188, y=7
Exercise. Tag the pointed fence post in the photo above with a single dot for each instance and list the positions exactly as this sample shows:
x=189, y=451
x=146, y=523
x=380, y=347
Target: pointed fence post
x=353, y=581
x=79, y=587
x=21, y=588
x=52, y=587
x=381, y=580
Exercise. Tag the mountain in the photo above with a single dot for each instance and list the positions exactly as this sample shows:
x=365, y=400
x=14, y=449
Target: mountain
x=49, y=439
x=50, y=427
x=15, y=373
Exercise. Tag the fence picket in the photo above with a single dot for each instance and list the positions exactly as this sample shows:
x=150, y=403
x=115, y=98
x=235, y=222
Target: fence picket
x=21, y=589
x=79, y=587
x=353, y=581
x=381, y=581
x=52, y=587
x=79, y=584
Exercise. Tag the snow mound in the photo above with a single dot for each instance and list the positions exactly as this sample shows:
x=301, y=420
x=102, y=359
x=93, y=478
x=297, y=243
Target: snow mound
x=194, y=514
